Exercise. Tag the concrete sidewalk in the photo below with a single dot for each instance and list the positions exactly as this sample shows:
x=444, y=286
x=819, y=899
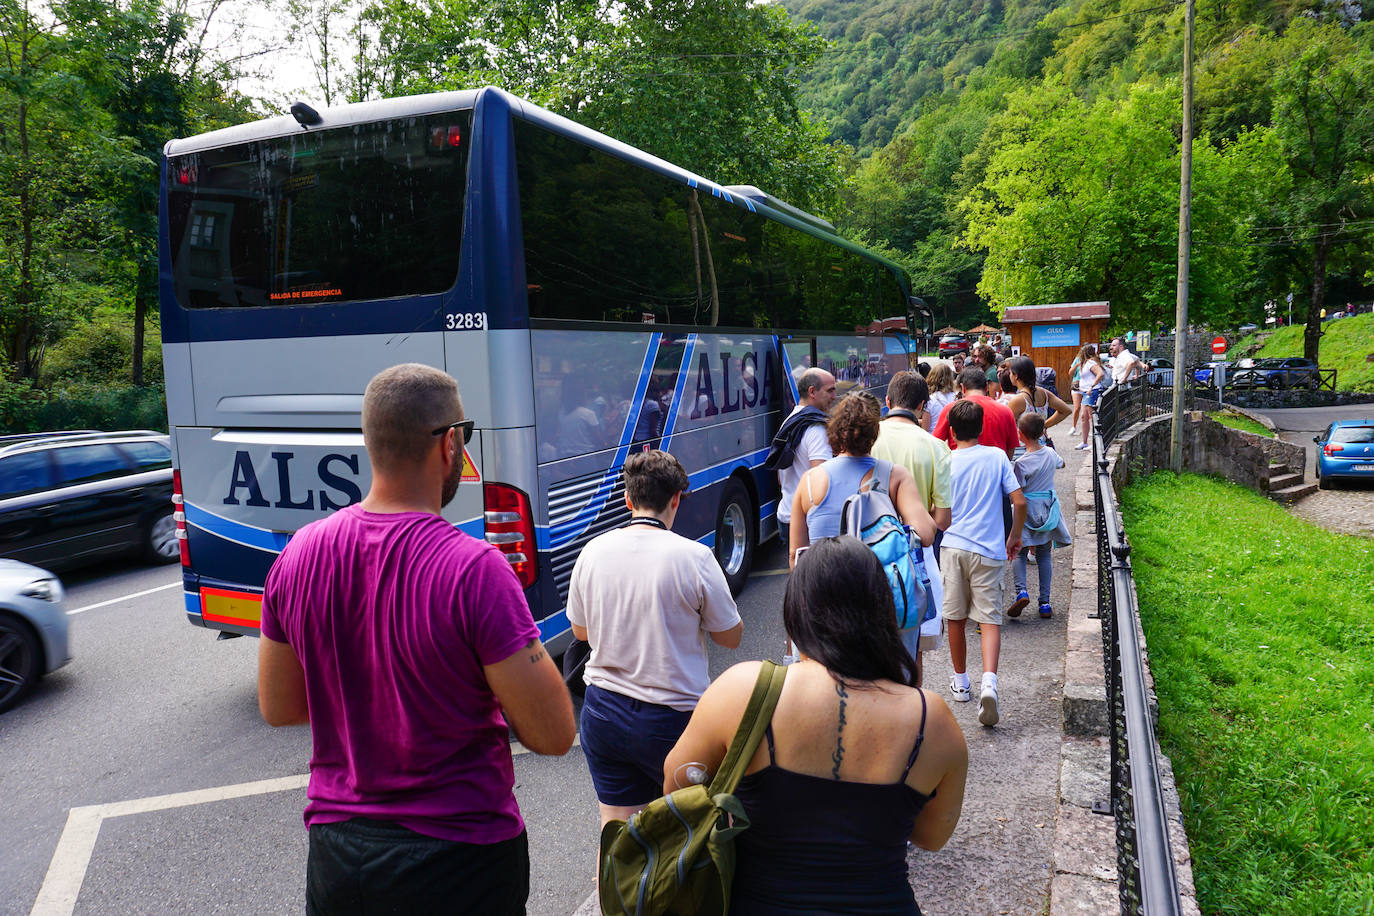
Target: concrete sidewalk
x=1001, y=859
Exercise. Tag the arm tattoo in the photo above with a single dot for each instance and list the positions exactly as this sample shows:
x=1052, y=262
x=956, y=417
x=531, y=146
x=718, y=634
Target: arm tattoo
x=838, y=756
x=535, y=650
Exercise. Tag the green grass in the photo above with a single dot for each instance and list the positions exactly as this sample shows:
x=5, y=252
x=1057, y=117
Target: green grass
x=1244, y=424
x=1261, y=638
x=1344, y=346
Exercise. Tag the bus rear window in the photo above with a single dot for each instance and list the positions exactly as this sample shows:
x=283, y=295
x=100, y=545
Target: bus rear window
x=369, y=211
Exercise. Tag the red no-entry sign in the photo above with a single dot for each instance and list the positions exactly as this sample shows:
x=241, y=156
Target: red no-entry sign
x=1218, y=345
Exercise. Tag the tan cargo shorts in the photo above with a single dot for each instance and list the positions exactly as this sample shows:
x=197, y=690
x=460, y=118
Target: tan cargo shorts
x=973, y=586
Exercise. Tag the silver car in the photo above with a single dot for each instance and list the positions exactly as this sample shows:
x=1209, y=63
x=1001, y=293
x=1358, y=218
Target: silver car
x=33, y=629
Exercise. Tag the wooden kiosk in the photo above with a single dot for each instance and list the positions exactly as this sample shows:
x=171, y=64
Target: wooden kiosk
x=1053, y=334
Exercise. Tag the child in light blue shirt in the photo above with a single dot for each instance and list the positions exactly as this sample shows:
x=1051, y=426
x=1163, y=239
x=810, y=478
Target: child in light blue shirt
x=1045, y=527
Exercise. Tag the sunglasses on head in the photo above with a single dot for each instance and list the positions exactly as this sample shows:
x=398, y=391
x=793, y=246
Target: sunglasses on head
x=464, y=425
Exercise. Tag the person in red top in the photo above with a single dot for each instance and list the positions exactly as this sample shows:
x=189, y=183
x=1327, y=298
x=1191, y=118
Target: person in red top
x=999, y=424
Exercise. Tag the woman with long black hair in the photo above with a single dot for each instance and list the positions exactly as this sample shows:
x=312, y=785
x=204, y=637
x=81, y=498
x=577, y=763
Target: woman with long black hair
x=858, y=760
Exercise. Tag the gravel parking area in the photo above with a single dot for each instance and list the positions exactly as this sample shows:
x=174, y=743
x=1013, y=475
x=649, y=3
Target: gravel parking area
x=1348, y=510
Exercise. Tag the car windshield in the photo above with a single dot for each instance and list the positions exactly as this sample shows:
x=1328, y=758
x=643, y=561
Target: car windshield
x=1353, y=434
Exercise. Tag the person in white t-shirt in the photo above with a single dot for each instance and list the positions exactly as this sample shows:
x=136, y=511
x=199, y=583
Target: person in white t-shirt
x=973, y=556
x=645, y=599
x=1125, y=364
x=815, y=390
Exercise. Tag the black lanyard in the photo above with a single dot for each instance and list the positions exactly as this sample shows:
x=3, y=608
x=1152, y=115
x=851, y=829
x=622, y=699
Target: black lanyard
x=646, y=520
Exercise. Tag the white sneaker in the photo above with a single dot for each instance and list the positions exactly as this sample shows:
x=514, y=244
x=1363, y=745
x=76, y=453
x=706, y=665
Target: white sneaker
x=987, y=705
x=1080, y=446
x=961, y=694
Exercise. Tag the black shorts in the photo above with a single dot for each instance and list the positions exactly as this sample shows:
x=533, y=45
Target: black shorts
x=369, y=866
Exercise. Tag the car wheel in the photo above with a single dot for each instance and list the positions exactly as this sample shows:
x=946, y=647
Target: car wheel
x=1313, y=383
x=1322, y=482
x=160, y=539
x=735, y=528
x=20, y=660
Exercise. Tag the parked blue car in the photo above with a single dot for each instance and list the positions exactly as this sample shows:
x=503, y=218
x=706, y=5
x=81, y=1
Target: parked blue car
x=1345, y=451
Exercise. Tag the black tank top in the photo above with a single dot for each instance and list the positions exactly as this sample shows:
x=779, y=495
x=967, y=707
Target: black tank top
x=822, y=846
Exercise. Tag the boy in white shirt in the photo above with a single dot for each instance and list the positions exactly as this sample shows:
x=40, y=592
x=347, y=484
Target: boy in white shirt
x=973, y=555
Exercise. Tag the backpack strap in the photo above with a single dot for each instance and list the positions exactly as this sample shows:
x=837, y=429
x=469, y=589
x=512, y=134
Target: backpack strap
x=881, y=479
x=757, y=716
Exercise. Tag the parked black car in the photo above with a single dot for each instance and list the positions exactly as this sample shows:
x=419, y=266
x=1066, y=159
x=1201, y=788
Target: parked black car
x=72, y=497
x=1280, y=372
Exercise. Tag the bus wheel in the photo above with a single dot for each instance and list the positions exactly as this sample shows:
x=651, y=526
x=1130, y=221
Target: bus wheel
x=160, y=539
x=735, y=534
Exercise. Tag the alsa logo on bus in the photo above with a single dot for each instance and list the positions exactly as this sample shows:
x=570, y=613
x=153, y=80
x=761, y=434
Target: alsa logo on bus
x=245, y=478
x=740, y=385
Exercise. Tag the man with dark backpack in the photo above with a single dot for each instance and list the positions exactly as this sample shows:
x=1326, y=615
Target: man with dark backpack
x=801, y=443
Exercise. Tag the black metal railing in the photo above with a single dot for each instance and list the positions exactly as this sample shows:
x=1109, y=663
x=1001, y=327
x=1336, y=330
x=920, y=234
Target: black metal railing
x=1147, y=880
x=1122, y=406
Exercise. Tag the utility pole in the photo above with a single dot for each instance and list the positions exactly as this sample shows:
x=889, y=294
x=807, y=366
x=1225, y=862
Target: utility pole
x=1185, y=241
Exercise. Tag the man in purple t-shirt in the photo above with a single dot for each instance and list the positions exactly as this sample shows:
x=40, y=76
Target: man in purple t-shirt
x=408, y=647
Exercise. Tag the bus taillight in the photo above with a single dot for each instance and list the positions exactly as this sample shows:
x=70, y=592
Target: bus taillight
x=179, y=516
x=510, y=526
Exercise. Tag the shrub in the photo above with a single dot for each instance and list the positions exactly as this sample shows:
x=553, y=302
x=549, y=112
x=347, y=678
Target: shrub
x=100, y=350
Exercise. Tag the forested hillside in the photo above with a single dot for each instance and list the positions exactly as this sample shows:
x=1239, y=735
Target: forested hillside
x=1009, y=152
x=1020, y=153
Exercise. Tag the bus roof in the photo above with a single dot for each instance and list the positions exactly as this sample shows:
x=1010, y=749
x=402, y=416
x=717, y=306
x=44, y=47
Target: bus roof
x=743, y=196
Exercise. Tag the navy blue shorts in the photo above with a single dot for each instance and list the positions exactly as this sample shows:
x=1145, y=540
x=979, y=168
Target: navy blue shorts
x=625, y=742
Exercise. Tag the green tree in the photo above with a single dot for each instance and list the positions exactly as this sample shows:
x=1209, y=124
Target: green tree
x=56, y=149
x=1324, y=120
x=709, y=86
x=1079, y=202
x=144, y=65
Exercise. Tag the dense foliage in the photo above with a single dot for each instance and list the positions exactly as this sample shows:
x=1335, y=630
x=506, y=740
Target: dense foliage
x=1026, y=153
x=1007, y=151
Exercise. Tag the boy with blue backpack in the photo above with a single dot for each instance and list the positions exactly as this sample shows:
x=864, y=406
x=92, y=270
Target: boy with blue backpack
x=973, y=555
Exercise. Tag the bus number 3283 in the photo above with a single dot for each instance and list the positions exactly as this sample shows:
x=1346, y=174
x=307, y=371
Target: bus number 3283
x=465, y=321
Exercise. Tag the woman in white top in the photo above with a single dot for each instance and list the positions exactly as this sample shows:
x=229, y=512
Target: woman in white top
x=941, y=382
x=1091, y=378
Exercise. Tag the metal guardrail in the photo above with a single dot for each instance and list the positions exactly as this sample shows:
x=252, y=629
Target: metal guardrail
x=1300, y=380
x=1124, y=405
x=1147, y=880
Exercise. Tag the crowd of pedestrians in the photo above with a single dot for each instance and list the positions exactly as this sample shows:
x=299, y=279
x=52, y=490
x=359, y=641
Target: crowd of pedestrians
x=408, y=647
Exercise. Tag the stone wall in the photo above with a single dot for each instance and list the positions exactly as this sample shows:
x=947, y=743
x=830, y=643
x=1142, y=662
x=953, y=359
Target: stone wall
x=1208, y=448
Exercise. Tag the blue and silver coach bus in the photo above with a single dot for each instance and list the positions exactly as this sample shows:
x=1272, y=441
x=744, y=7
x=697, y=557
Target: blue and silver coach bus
x=589, y=299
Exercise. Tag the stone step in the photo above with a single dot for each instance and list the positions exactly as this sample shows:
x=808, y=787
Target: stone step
x=1277, y=467
x=1283, y=480
x=1294, y=493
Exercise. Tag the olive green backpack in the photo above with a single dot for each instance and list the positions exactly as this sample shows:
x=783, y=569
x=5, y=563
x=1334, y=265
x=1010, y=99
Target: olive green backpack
x=677, y=856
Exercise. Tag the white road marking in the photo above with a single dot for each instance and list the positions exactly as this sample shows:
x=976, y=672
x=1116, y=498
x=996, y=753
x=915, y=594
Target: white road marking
x=146, y=591
x=67, y=870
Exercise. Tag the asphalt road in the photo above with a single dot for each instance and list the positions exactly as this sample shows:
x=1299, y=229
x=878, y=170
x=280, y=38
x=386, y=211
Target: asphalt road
x=1299, y=424
x=153, y=707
